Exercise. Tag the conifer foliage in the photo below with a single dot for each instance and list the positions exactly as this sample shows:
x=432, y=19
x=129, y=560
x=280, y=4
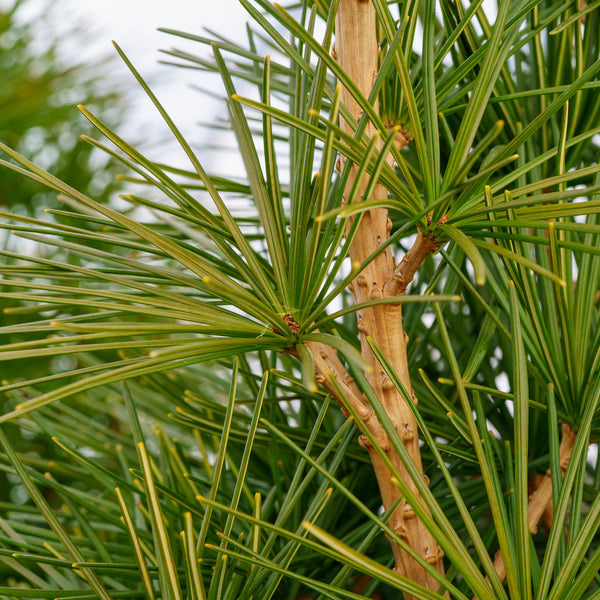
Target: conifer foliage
x=368, y=366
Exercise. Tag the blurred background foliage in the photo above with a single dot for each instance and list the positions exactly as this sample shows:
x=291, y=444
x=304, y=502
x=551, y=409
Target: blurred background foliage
x=39, y=90
x=41, y=87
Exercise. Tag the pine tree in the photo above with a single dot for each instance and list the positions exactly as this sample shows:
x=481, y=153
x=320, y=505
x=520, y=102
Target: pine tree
x=370, y=367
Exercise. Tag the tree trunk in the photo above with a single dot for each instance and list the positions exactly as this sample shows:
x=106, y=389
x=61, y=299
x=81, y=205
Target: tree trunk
x=357, y=49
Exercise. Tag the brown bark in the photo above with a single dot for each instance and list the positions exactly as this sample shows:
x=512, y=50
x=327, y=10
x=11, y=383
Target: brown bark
x=357, y=50
x=328, y=367
x=424, y=245
x=541, y=499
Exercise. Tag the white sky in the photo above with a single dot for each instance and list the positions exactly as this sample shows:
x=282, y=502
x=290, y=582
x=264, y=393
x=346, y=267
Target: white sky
x=134, y=22
x=133, y=25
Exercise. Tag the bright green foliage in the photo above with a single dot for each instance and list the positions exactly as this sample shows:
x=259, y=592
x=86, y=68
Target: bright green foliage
x=181, y=450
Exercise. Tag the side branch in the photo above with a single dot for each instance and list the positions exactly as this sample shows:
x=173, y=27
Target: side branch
x=405, y=271
x=332, y=375
x=327, y=365
x=541, y=499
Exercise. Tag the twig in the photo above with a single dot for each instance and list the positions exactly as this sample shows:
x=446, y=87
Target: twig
x=327, y=365
x=423, y=246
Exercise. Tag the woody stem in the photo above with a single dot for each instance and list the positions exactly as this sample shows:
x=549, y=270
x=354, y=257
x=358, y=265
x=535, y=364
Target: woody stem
x=357, y=50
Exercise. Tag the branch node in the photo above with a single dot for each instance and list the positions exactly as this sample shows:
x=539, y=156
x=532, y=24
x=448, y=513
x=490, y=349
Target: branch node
x=401, y=532
x=388, y=385
x=376, y=293
x=408, y=435
x=362, y=327
x=433, y=557
x=365, y=442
